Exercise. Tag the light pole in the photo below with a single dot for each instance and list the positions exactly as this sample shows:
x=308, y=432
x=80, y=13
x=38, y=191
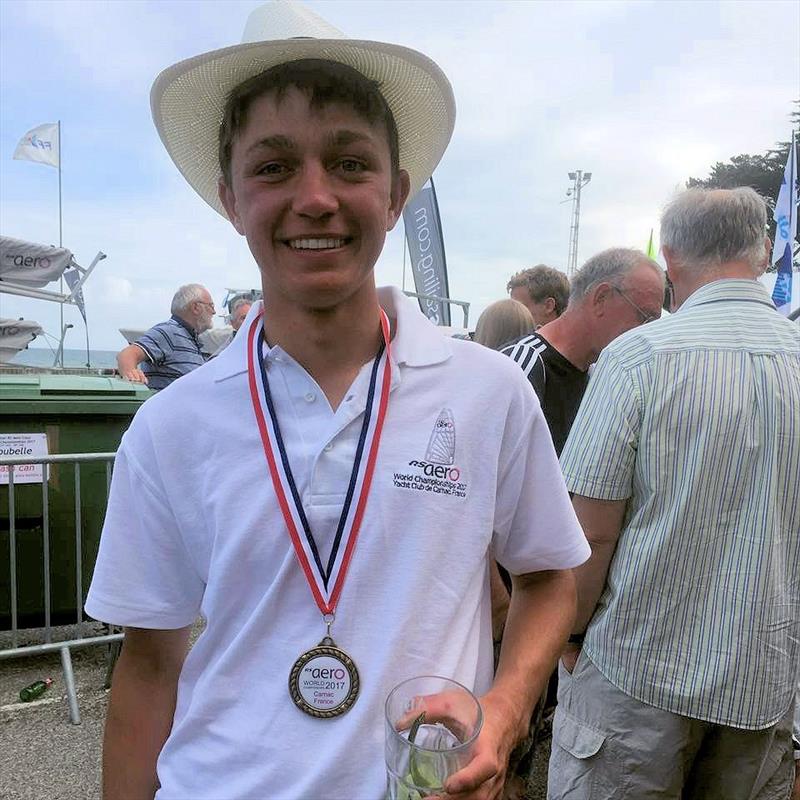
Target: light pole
x=579, y=180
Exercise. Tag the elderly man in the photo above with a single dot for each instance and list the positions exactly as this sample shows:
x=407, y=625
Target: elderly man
x=341, y=427
x=684, y=462
x=542, y=290
x=614, y=291
x=170, y=349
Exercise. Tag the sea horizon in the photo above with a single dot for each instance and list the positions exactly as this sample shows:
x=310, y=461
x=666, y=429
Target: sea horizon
x=73, y=357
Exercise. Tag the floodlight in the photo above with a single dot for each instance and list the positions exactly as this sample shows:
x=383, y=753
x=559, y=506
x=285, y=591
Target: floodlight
x=572, y=176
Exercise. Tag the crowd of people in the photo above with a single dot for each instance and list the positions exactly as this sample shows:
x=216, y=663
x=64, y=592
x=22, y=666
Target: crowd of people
x=337, y=491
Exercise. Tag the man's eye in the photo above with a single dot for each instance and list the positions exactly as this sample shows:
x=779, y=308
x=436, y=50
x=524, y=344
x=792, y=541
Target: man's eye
x=272, y=169
x=351, y=165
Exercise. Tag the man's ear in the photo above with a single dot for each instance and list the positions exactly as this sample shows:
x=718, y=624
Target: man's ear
x=550, y=305
x=228, y=200
x=599, y=296
x=401, y=186
x=669, y=257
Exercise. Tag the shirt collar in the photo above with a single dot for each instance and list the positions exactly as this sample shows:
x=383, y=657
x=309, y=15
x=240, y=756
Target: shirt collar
x=416, y=343
x=184, y=324
x=727, y=289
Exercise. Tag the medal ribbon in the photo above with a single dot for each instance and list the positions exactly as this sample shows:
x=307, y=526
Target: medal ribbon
x=326, y=581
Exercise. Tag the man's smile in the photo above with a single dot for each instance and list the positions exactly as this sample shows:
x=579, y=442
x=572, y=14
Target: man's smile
x=318, y=242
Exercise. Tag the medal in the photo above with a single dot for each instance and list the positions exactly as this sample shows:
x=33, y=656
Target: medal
x=324, y=681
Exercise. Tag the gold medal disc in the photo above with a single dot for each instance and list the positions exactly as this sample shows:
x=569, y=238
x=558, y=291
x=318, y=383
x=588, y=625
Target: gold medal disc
x=324, y=681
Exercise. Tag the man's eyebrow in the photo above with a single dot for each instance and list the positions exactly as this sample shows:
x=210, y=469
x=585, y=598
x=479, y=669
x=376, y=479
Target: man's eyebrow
x=344, y=137
x=275, y=142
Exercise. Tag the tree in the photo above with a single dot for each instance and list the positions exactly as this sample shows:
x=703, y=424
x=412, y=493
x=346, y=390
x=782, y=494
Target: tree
x=762, y=173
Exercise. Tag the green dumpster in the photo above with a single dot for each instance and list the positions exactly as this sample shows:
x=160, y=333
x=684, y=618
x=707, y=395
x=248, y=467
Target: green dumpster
x=73, y=414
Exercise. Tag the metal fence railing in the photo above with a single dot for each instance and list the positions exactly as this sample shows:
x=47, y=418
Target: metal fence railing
x=44, y=526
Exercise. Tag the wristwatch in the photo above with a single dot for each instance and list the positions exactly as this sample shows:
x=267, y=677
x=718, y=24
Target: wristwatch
x=796, y=748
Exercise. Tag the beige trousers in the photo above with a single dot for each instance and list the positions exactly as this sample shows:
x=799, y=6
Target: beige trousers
x=608, y=746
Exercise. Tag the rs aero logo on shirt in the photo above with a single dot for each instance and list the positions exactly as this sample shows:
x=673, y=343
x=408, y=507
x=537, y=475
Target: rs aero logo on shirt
x=438, y=472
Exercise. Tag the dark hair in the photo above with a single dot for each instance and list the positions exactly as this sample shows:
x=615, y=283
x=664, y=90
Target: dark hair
x=542, y=282
x=325, y=82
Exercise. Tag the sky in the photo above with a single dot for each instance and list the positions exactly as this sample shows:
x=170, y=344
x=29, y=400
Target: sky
x=642, y=94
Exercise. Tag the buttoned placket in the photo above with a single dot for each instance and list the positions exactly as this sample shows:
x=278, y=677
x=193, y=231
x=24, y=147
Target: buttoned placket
x=320, y=456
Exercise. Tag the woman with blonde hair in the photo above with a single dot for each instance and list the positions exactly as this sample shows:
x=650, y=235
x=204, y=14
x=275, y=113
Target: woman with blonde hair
x=503, y=322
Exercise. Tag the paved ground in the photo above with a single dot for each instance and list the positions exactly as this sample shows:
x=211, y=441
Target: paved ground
x=44, y=757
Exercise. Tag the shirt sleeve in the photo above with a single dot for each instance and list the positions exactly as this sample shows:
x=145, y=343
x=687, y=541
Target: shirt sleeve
x=155, y=344
x=144, y=576
x=535, y=525
x=600, y=454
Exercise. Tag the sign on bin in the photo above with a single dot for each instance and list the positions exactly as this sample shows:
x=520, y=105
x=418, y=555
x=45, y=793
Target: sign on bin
x=26, y=445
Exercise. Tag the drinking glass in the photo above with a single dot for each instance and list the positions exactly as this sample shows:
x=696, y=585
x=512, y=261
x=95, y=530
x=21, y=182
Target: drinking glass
x=444, y=739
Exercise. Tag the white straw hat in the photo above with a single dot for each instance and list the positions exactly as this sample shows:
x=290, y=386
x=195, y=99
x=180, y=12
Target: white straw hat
x=188, y=99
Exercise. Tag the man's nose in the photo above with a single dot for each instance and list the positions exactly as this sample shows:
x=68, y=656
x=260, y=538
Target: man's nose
x=314, y=192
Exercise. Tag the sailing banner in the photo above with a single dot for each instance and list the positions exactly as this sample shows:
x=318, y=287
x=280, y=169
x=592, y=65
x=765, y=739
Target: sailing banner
x=30, y=264
x=40, y=144
x=426, y=246
x=73, y=279
x=785, y=217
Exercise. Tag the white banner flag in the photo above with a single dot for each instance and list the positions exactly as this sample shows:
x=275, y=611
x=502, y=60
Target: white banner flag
x=39, y=144
x=73, y=279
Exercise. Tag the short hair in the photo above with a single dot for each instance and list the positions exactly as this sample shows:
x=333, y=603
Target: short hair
x=185, y=295
x=503, y=322
x=237, y=303
x=325, y=82
x=542, y=282
x=609, y=266
x=709, y=227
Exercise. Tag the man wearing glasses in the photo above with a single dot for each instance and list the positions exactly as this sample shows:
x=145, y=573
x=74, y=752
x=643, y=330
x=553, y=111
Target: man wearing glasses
x=614, y=291
x=170, y=349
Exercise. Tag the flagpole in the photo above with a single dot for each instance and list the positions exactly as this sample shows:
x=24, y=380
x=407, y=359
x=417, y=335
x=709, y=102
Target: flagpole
x=60, y=242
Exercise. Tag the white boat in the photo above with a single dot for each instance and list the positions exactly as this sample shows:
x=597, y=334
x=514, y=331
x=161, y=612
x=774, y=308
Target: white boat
x=16, y=335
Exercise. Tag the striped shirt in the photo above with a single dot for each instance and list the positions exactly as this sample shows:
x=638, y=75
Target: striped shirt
x=695, y=420
x=558, y=383
x=172, y=350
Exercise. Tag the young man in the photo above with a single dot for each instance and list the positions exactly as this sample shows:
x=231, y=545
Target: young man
x=369, y=484
x=544, y=291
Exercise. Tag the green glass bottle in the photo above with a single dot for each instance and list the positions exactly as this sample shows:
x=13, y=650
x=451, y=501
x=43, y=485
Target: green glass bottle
x=36, y=689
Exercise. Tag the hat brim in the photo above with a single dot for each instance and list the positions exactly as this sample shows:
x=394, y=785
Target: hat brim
x=188, y=100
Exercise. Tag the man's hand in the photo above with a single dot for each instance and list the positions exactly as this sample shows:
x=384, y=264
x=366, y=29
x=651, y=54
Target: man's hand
x=569, y=656
x=135, y=375
x=484, y=776
x=128, y=360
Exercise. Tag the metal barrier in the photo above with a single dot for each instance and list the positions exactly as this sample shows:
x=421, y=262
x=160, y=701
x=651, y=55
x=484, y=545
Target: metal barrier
x=64, y=647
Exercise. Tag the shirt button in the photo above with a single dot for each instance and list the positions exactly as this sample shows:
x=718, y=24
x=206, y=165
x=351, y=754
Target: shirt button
x=310, y=397
x=328, y=447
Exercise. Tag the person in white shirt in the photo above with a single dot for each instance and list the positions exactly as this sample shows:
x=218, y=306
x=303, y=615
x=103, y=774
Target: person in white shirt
x=371, y=473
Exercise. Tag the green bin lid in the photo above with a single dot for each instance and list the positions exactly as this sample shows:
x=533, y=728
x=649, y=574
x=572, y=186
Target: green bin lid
x=69, y=393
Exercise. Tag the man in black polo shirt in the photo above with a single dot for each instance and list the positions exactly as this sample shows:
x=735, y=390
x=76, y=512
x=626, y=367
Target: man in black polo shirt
x=614, y=291
x=171, y=348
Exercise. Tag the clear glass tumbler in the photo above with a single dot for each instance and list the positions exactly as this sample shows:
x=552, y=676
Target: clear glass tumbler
x=443, y=739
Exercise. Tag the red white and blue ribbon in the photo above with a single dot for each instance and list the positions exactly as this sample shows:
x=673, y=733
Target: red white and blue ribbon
x=326, y=579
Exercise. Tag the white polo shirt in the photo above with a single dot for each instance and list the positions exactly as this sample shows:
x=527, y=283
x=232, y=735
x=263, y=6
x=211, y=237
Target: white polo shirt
x=193, y=527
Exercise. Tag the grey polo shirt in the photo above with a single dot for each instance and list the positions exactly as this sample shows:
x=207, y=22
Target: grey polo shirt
x=172, y=350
